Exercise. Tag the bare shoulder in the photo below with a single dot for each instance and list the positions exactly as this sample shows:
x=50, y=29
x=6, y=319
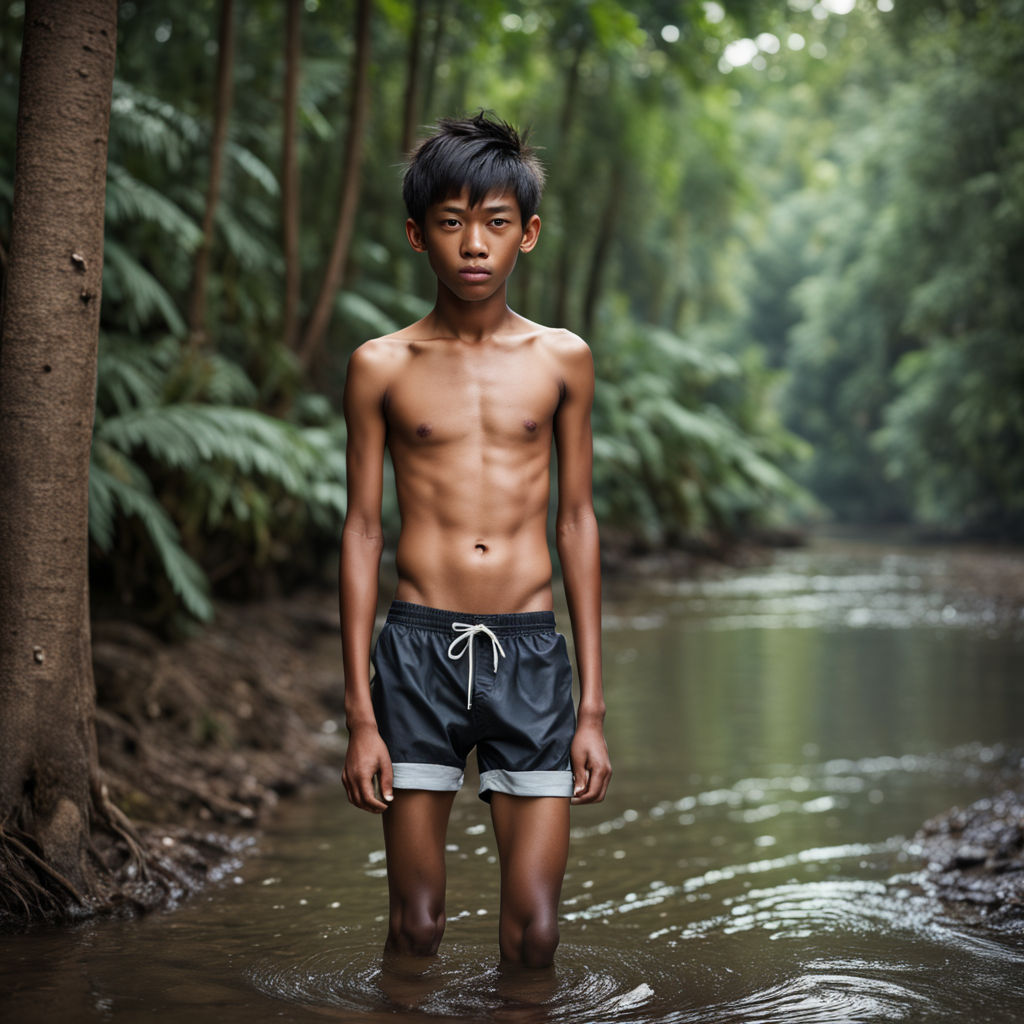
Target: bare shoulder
x=566, y=345
x=573, y=357
x=379, y=354
x=375, y=363
x=566, y=348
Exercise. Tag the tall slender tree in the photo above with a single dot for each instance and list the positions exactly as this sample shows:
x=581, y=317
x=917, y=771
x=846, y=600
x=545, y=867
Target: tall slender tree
x=290, y=208
x=411, y=103
x=221, y=113
x=334, y=274
x=49, y=791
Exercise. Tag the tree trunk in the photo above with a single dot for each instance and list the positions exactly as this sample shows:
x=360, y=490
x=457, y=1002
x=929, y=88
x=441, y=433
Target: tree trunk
x=602, y=247
x=222, y=110
x=48, y=340
x=436, y=41
x=334, y=275
x=290, y=211
x=411, y=111
x=566, y=188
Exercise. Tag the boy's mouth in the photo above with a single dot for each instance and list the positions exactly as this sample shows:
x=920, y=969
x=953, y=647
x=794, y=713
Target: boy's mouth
x=474, y=273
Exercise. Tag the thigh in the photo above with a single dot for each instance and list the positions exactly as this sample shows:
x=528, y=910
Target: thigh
x=415, y=826
x=533, y=847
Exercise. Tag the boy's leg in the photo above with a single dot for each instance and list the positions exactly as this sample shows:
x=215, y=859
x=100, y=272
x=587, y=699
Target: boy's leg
x=533, y=848
x=414, y=833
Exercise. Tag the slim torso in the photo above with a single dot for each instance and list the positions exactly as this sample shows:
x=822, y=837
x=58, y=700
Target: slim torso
x=469, y=427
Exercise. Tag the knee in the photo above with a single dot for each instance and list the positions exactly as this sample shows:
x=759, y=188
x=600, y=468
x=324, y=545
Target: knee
x=533, y=944
x=417, y=933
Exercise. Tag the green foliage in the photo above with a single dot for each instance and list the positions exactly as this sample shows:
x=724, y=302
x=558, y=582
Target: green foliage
x=672, y=463
x=203, y=480
x=900, y=317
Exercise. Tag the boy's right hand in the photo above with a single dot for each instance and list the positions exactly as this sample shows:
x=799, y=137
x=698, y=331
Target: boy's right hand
x=367, y=760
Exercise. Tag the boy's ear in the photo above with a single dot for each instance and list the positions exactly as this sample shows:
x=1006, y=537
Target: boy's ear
x=414, y=233
x=530, y=234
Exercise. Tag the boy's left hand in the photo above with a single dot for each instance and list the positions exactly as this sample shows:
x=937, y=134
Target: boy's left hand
x=591, y=766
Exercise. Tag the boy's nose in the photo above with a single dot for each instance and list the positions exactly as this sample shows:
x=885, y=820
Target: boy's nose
x=473, y=244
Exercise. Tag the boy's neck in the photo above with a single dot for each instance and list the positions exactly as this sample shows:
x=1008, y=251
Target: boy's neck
x=470, y=321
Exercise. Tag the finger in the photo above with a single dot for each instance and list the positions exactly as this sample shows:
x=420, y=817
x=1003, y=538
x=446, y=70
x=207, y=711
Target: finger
x=387, y=781
x=604, y=777
x=579, y=778
x=581, y=783
x=597, y=785
x=579, y=761
x=368, y=799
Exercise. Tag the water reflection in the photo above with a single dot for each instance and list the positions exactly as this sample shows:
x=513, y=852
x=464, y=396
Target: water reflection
x=778, y=736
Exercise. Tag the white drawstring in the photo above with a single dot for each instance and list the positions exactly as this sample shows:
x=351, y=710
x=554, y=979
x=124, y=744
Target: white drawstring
x=467, y=631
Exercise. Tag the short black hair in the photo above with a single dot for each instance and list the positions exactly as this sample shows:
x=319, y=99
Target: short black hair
x=481, y=153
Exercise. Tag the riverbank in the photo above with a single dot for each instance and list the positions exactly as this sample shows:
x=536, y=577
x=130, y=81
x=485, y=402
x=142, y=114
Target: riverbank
x=199, y=740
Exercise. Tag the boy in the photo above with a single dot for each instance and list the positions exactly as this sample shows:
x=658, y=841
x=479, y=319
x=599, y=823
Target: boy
x=468, y=400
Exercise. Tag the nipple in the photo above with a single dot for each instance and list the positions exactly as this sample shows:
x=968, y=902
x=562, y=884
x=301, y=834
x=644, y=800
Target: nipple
x=530, y=425
x=423, y=430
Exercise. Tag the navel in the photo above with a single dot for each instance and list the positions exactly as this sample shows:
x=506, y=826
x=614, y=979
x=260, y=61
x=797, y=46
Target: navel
x=423, y=430
x=530, y=425
x=481, y=547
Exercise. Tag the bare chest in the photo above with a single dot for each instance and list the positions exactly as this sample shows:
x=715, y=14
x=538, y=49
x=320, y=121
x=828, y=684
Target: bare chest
x=439, y=401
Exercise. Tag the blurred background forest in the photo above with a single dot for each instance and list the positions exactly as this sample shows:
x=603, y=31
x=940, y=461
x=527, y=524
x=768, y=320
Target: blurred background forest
x=793, y=234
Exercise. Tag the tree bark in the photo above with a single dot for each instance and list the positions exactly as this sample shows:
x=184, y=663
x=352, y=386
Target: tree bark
x=602, y=246
x=334, y=275
x=48, y=344
x=221, y=113
x=436, y=41
x=566, y=188
x=290, y=212
x=411, y=109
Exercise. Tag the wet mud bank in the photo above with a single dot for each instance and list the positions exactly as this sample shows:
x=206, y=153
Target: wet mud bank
x=199, y=740
x=975, y=860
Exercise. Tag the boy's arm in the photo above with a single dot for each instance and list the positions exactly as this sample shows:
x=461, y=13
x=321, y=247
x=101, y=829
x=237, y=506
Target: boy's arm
x=362, y=541
x=579, y=553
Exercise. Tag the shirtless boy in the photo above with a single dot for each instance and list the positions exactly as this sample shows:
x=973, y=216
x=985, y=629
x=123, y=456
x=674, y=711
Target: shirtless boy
x=468, y=400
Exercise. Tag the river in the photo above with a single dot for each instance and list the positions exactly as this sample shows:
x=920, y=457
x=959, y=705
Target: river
x=778, y=735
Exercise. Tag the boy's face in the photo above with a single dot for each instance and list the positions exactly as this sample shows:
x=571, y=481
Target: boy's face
x=472, y=249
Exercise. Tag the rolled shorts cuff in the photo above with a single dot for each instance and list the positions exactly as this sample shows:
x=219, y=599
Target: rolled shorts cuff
x=556, y=783
x=436, y=777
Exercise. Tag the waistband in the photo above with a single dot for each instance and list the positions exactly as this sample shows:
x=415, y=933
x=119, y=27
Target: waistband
x=405, y=613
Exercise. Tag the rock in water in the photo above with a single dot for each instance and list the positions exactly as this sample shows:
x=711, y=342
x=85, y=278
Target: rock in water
x=975, y=859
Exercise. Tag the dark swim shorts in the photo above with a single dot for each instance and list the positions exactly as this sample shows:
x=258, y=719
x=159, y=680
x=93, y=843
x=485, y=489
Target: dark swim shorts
x=446, y=682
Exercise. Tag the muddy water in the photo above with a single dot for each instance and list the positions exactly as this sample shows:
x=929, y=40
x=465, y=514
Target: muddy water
x=777, y=736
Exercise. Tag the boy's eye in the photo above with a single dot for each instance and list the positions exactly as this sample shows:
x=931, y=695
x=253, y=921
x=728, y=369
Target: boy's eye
x=499, y=221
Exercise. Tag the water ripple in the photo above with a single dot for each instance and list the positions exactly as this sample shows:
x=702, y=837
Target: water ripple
x=592, y=983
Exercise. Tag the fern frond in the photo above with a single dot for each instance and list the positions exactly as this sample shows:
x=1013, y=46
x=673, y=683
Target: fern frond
x=126, y=281
x=251, y=251
x=127, y=374
x=134, y=498
x=184, y=436
x=362, y=316
x=149, y=124
x=254, y=167
x=394, y=302
x=129, y=199
x=229, y=384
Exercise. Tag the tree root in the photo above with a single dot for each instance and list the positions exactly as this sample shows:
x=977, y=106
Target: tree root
x=115, y=820
x=23, y=873
x=194, y=740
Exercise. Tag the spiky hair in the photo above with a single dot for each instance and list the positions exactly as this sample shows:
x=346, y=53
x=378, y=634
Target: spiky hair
x=481, y=153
